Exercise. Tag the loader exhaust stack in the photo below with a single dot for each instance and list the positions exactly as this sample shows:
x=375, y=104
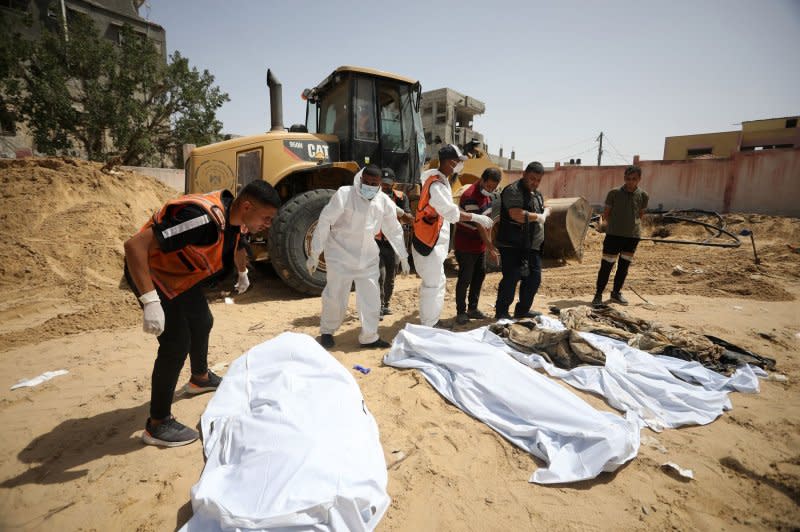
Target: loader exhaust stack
x=275, y=101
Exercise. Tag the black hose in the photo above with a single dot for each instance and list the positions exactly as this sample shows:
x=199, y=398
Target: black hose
x=711, y=228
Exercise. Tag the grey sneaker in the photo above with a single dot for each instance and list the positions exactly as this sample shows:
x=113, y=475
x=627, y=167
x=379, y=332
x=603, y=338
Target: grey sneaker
x=462, y=318
x=197, y=386
x=617, y=297
x=169, y=433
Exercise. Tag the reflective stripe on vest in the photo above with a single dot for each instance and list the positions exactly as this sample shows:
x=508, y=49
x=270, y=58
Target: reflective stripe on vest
x=427, y=222
x=174, y=272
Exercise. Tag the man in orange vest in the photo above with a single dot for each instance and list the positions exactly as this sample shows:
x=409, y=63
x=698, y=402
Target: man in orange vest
x=431, y=240
x=189, y=241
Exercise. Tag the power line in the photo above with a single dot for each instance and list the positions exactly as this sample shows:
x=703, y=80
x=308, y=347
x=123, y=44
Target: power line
x=619, y=153
x=556, y=150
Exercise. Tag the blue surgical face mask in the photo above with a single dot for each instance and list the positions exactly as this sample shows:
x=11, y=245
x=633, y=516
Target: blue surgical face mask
x=368, y=192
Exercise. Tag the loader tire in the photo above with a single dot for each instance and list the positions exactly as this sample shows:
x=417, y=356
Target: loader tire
x=290, y=241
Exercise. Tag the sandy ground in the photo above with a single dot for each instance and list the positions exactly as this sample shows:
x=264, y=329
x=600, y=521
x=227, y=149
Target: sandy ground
x=70, y=454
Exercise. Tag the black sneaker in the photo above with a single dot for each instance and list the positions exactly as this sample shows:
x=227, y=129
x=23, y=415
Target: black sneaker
x=476, y=314
x=326, y=341
x=443, y=325
x=462, y=318
x=617, y=297
x=377, y=344
x=197, y=386
x=502, y=316
x=169, y=433
x=598, y=300
x=529, y=314
x=386, y=311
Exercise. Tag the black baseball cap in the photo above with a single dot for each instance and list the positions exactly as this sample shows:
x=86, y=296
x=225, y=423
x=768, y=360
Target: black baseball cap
x=449, y=152
x=387, y=175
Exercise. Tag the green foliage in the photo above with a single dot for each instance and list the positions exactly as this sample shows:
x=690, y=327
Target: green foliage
x=119, y=100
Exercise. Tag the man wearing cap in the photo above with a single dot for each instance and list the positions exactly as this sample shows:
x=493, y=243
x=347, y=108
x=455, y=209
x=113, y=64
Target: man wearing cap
x=471, y=243
x=431, y=240
x=519, y=239
x=388, y=264
x=621, y=220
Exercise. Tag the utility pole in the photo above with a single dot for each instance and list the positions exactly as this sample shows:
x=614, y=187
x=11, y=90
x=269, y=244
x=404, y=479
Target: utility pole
x=600, y=148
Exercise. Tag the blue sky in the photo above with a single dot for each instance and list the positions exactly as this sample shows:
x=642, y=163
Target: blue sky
x=552, y=75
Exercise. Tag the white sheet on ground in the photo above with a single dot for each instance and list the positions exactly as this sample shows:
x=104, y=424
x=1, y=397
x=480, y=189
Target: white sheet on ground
x=289, y=442
x=655, y=387
x=576, y=441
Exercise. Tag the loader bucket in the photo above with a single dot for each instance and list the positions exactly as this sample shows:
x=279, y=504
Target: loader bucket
x=566, y=227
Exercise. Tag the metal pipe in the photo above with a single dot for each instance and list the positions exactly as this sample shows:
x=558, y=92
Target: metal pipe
x=275, y=102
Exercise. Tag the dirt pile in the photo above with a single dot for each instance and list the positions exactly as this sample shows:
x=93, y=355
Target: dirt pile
x=63, y=223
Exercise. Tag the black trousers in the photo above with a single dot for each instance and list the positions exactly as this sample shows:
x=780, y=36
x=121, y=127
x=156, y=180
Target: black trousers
x=471, y=273
x=388, y=270
x=511, y=259
x=187, y=326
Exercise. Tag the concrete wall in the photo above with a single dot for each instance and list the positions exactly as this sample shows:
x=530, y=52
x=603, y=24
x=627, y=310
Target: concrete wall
x=766, y=182
x=171, y=177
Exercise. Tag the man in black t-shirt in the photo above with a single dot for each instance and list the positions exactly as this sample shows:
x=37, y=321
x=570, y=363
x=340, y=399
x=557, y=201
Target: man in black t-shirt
x=519, y=240
x=621, y=220
x=187, y=243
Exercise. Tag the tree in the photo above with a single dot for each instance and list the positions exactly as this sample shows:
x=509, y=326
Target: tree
x=114, y=100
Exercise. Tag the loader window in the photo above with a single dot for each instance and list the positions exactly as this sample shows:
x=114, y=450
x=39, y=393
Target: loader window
x=333, y=112
x=366, y=128
x=248, y=166
x=397, y=127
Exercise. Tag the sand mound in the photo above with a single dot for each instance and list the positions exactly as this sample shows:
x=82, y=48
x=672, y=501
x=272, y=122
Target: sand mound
x=63, y=224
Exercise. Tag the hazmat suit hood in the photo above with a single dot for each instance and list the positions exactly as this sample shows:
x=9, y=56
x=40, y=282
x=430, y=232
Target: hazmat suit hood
x=357, y=186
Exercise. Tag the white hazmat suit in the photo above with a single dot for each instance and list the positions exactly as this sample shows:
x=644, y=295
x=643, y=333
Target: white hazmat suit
x=431, y=267
x=346, y=233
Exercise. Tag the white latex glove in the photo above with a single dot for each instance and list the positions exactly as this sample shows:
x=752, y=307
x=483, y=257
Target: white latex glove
x=405, y=269
x=153, y=313
x=243, y=283
x=482, y=220
x=543, y=216
x=311, y=264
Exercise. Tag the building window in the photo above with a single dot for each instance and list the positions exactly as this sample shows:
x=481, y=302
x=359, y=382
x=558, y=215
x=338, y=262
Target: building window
x=16, y=5
x=792, y=122
x=696, y=152
x=427, y=110
x=115, y=34
x=8, y=123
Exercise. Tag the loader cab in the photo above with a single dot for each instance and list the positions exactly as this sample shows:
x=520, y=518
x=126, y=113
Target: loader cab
x=376, y=117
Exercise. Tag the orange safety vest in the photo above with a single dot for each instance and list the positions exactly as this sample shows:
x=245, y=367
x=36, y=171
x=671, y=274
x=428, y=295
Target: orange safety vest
x=427, y=222
x=398, y=197
x=175, y=272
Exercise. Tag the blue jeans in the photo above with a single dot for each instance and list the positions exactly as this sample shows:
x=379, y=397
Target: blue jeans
x=511, y=261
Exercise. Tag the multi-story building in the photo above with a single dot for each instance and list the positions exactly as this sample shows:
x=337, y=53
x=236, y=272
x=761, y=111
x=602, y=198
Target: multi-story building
x=108, y=15
x=770, y=133
x=447, y=118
